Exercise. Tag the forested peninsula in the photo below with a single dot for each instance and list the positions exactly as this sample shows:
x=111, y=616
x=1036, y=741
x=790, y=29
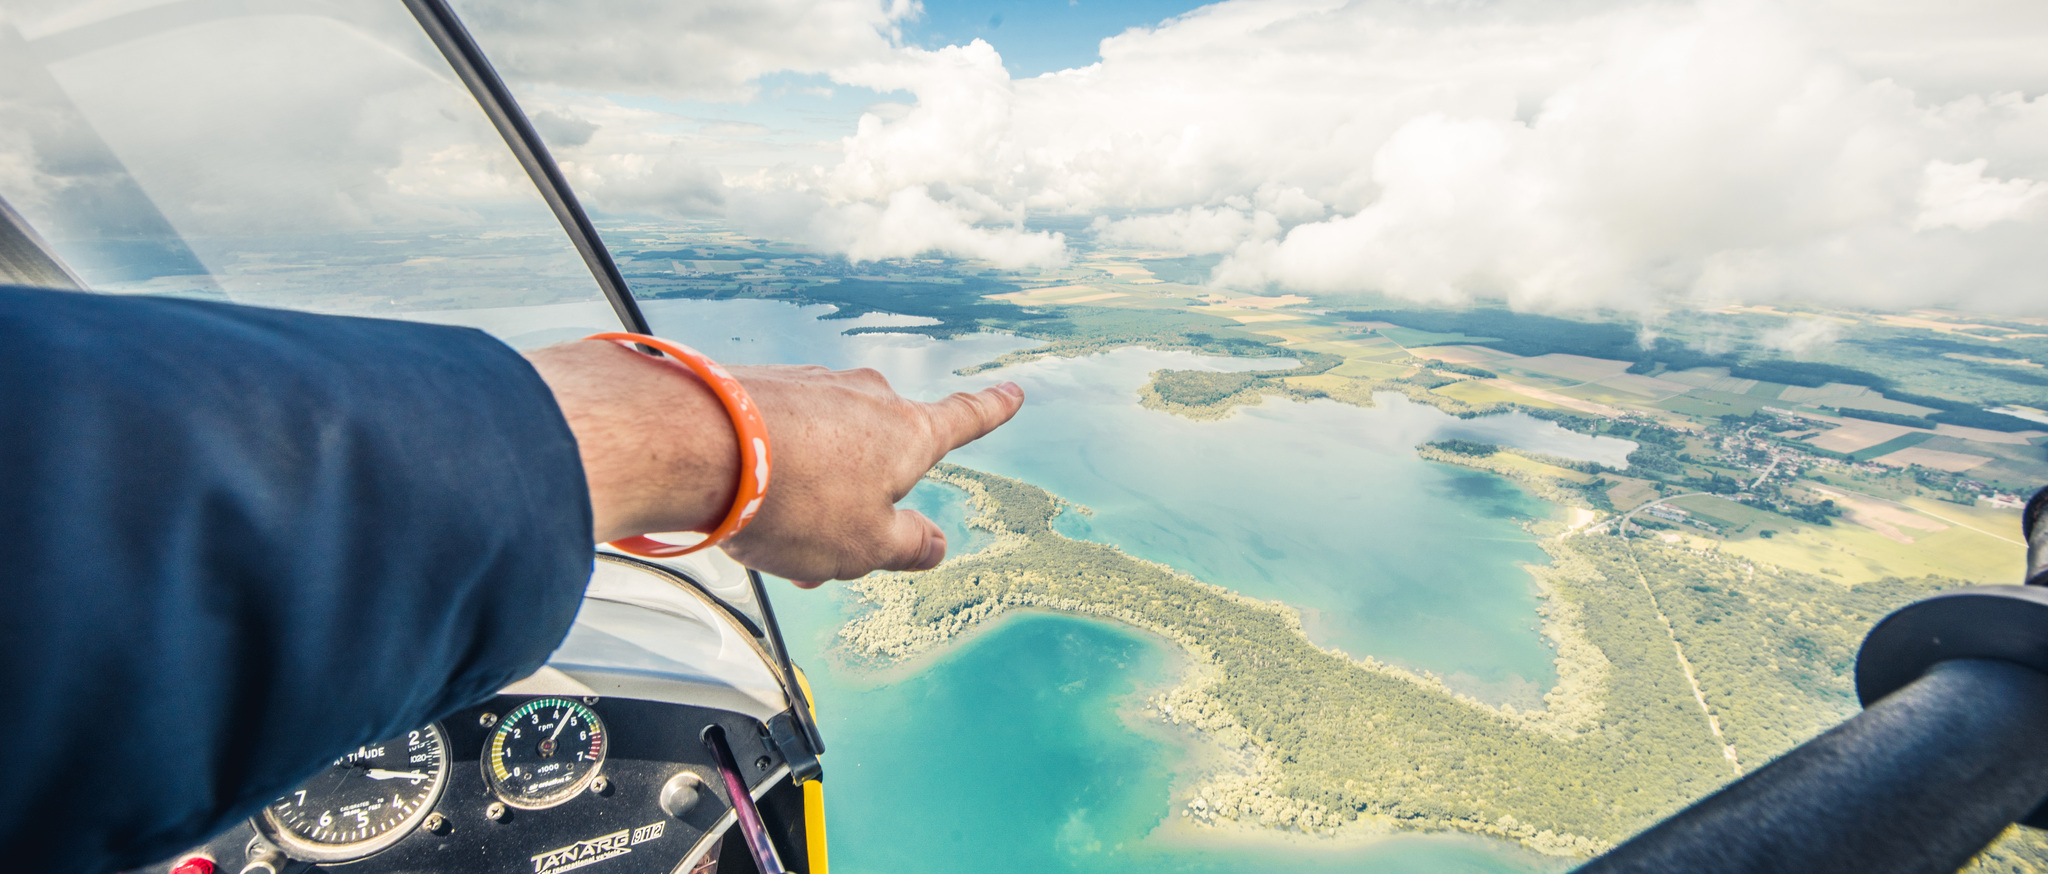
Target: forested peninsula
x=1209, y=394
x=1678, y=669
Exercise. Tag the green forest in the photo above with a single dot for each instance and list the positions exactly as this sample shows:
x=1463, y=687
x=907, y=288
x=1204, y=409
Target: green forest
x=1204, y=388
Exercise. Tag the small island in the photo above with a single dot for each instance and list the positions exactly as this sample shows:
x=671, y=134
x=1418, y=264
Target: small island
x=1211, y=394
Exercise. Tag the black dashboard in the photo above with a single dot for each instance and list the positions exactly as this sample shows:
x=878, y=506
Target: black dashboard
x=533, y=784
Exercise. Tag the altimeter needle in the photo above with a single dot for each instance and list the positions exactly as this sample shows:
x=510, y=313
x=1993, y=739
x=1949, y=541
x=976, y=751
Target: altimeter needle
x=381, y=774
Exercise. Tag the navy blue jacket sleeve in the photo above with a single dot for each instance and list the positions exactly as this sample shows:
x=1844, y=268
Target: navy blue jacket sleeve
x=237, y=542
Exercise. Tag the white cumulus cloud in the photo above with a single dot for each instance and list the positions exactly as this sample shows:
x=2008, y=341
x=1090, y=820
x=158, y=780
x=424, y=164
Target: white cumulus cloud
x=1556, y=154
x=911, y=223
x=1559, y=156
x=703, y=49
x=1958, y=196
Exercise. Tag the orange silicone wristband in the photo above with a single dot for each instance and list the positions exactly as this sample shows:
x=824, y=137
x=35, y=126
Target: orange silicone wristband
x=746, y=423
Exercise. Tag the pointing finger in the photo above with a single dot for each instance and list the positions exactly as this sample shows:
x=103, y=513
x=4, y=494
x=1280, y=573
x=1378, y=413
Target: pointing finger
x=964, y=417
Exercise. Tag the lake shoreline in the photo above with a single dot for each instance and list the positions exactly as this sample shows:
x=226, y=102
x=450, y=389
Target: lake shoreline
x=1200, y=757
x=1032, y=567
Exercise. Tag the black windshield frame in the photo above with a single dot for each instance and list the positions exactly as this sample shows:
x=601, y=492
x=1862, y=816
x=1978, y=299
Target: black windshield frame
x=467, y=59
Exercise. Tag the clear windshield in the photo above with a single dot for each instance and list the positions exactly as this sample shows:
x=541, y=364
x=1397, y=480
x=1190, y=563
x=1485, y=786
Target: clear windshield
x=293, y=153
x=1592, y=376
x=1505, y=419
x=299, y=154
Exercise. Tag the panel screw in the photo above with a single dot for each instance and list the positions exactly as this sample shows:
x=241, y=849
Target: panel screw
x=601, y=786
x=761, y=764
x=590, y=699
x=497, y=812
x=436, y=824
x=487, y=719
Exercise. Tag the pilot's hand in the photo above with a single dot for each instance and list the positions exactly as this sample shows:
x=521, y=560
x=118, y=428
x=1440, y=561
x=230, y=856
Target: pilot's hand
x=659, y=454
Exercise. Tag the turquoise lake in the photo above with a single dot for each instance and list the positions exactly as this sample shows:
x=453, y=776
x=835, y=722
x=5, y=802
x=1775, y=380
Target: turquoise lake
x=1013, y=755
x=1019, y=750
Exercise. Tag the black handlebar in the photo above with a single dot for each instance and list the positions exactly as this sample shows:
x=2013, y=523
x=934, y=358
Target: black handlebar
x=1949, y=751
x=1921, y=781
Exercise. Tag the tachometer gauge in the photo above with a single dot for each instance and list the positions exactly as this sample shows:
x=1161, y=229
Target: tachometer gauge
x=364, y=802
x=544, y=752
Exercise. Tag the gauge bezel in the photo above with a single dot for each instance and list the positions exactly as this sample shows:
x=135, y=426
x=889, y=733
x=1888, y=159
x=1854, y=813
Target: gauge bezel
x=558, y=797
x=298, y=847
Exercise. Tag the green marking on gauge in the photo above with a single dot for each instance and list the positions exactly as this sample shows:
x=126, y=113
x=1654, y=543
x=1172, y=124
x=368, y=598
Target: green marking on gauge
x=544, y=752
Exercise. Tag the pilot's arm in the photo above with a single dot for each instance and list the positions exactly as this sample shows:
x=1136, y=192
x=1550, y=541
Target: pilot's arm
x=235, y=543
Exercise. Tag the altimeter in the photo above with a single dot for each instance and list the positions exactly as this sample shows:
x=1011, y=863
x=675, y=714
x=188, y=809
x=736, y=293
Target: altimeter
x=366, y=801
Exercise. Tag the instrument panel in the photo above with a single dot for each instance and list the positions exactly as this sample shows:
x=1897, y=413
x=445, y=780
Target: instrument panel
x=530, y=784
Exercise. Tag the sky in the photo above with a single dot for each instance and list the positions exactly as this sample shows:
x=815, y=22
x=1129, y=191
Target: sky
x=1556, y=154
x=1559, y=155
x=1036, y=37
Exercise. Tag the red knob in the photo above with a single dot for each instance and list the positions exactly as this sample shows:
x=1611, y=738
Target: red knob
x=194, y=865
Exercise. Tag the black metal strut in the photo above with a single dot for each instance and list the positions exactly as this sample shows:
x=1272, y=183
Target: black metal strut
x=467, y=58
x=1948, y=752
